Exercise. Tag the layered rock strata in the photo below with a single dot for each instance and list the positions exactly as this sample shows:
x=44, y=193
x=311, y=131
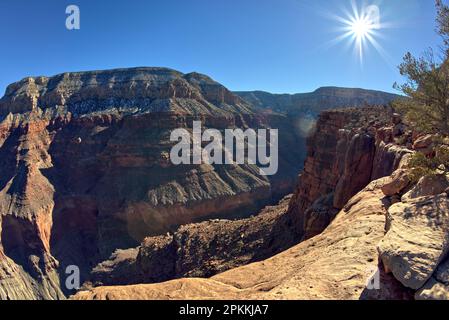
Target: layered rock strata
x=347, y=151
x=85, y=169
x=389, y=241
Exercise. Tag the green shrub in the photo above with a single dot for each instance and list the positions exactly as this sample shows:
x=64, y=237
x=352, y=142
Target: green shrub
x=421, y=165
x=426, y=107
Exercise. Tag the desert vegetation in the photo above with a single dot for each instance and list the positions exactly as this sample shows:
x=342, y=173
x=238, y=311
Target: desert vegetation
x=426, y=107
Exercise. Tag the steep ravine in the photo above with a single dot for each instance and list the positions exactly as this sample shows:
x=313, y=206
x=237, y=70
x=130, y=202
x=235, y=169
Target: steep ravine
x=354, y=146
x=343, y=157
x=388, y=241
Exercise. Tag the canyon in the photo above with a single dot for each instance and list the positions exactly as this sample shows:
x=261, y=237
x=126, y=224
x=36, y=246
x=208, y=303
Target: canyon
x=381, y=223
x=208, y=248
x=86, y=180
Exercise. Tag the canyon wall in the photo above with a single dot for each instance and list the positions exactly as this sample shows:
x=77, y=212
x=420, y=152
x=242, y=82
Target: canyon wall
x=85, y=169
x=348, y=150
x=311, y=104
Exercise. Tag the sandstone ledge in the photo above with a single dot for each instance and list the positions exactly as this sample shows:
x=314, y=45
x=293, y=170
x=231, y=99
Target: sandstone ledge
x=333, y=265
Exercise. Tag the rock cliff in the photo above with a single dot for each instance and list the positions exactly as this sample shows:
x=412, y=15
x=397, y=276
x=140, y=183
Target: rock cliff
x=346, y=152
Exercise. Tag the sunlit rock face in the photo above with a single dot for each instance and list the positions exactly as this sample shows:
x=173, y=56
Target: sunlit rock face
x=84, y=168
x=138, y=89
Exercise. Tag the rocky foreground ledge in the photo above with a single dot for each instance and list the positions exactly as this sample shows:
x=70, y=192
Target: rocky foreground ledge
x=333, y=265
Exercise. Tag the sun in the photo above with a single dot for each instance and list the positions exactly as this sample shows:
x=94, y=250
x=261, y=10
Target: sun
x=361, y=28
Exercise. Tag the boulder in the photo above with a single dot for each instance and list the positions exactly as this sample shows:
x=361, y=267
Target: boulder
x=416, y=240
x=398, y=181
x=427, y=186
x=396, y=118
x=424, y=144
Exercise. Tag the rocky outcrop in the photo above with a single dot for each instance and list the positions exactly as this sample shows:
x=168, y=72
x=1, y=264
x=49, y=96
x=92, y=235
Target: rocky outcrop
x=345, y=153
x=424, y=144
x=417, y=239
x=415, y=247
x=398, y=181
x=427, y=186
x=200, y=250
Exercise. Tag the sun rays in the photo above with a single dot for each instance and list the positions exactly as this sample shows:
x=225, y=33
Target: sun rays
x=360, y=28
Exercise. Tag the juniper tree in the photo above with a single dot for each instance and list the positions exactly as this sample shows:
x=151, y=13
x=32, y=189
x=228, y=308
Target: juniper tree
x=426, y=107
x=427, y=83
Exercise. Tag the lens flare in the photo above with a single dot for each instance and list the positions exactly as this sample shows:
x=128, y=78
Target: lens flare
x=361, y=28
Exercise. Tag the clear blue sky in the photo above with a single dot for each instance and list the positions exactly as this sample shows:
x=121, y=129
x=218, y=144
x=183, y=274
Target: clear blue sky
x=273, y=45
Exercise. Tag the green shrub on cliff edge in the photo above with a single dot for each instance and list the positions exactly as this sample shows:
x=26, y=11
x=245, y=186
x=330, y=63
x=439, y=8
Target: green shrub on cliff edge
x=426, y=107
x=427, y=83
x=421, y=165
